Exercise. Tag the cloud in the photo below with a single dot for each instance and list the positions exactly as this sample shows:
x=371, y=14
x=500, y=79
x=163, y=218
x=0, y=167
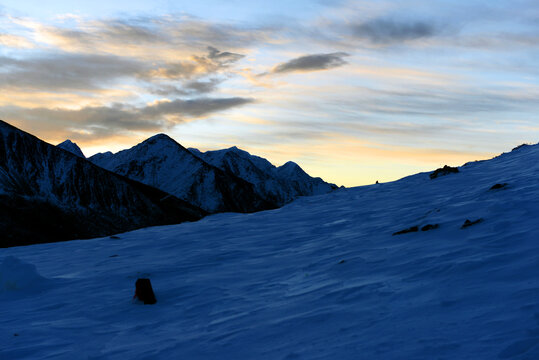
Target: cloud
x=193, y=108
x=194, y=87
x=177, y=70
x=66, y=71
x=106, y=121
x=155, y=38
x=202, y=87
x=131, y=30
x=213, y=62
x=15, y=41
x=311, y=63
x=223, y=57
x=55, y=72
x=387, y=31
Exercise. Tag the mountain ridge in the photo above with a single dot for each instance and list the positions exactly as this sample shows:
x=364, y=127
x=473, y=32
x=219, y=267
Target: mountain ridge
x=49, y=193
x=182, y=176
x=281, y=184
x=162, y=162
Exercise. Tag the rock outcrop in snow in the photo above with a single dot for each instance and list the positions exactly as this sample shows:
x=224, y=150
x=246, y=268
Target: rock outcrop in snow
x=163, y=163
x=48, y=194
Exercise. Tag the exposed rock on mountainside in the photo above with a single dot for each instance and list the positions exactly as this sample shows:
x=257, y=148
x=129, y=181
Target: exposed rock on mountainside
x=48, y=194
x=446, y=170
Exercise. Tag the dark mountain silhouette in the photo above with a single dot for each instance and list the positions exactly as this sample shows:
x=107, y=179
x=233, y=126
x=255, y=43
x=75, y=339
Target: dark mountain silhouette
x=49, y=194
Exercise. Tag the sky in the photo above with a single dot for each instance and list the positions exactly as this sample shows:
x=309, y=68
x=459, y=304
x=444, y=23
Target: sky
x=353, y=91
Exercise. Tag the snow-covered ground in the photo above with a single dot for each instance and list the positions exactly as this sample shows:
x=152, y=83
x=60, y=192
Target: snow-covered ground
x=321, y=278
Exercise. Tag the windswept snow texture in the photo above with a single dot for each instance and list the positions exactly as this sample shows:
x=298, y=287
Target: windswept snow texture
x=276, y=184
x=320, y=278
x=163, y=163
x=73, y=148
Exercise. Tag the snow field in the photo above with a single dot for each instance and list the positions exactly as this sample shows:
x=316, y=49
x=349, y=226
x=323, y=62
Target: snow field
x=322, y=277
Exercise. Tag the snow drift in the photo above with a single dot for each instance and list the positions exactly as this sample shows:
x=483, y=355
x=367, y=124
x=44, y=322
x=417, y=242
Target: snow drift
x=16, y=276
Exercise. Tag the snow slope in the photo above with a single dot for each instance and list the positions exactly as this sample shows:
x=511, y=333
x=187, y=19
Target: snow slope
x=279, y=185
x=320, y=278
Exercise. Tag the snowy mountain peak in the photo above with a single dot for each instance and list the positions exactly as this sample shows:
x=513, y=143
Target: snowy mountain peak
x=160, y=138
x=163, y=163
x=280, y=185
x=161, y=143
x=72, y=147
x=291, y=170
x=290, y=165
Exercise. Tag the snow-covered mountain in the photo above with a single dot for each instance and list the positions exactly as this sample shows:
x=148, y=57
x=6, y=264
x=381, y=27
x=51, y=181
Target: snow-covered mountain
x=277, y=184
x=49, y=194
x=73, y=148
x=161, y=162
x=323, y=277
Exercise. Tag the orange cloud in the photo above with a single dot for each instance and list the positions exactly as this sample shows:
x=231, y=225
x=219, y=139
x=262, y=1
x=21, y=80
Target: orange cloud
x=15, y=41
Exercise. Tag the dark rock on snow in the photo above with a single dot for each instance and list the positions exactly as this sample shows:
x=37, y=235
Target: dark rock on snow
x=405, y=231
x=519, y=147
x=498, y=186
x=144, y=291
x=468, y=223
x=429, y=227
x=446, y=170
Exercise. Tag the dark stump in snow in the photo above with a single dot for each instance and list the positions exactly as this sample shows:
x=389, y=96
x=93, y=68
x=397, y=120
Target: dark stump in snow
x=429, y=227
x=144, y=291
x=411, y=229
x=446, y=170
x=498, y=186
x=469, y=223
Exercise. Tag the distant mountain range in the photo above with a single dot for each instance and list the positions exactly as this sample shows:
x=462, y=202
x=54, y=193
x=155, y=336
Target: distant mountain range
x=163, y=163
x=216, y=181
x=279, y=185
x=52, y=193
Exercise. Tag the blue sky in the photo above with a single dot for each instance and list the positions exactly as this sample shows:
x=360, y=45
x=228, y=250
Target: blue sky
x=354, y=91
